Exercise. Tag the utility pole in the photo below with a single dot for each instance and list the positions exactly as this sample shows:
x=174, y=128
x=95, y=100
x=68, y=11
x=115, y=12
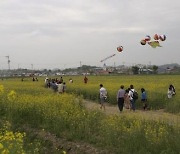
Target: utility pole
x=8, y=62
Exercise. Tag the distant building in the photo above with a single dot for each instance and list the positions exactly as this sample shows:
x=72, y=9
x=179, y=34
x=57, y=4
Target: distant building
x=145, y=71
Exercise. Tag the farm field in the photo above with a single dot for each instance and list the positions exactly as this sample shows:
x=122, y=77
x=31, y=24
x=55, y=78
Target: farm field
x=34, y=119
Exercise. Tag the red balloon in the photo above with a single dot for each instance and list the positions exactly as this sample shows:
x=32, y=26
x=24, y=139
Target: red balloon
x=147, y=38
x=120, y=48
x=156, y=37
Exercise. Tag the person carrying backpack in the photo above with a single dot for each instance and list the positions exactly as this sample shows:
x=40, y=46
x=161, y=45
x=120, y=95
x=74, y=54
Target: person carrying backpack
x=133, y=96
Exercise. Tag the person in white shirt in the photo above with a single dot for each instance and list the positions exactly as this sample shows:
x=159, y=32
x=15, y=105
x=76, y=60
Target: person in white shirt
x=170, y=93
x=103, y=96
x=132, y=101
x=46, y=81
x=60, y=88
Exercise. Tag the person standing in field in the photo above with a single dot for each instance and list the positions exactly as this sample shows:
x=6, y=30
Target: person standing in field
x=61, y=80
x=120, y=97
x=144, y=98
x=60, y=88
x=127, y=104
x=171, y=91
x=46, y=81
x=85, y=79
x=103, y=96
x=70, y=80
x=131, y=96
x=64, y=87
x=53, y=85
x=172, y=88
x=33, y=79
x=36, y=79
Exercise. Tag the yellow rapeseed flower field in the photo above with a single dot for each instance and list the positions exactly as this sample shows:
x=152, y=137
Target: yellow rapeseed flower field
x=66, y=116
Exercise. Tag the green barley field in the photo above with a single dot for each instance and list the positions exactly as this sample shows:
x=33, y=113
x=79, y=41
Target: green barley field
x=28, y=105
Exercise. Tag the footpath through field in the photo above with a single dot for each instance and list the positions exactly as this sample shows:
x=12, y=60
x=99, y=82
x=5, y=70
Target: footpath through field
x=158, y=115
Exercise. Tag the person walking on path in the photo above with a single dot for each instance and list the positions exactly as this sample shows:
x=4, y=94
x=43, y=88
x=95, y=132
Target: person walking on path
x=120, y=98
x=144, y=98
x=103, y=96
x=127, y=104
x=131, y=96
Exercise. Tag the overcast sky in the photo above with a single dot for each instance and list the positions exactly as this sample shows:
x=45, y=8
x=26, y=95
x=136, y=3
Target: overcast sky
x=64, y=33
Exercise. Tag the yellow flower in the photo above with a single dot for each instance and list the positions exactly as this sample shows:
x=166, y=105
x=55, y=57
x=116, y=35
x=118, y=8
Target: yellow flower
x=1, y=89
x=12, y=95
x=1, y=146
x=5, y=151
x=64, y=152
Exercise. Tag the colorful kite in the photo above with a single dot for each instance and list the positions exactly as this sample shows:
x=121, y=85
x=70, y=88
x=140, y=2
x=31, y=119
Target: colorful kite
x=155, y=43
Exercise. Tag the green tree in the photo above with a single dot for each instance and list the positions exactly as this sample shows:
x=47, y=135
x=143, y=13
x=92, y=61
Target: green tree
x=135, y=69
x=155, y=68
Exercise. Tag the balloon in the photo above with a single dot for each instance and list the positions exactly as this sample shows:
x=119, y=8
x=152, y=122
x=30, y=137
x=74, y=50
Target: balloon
x=143, y=42
x=147, y=38
x=120, y=48
x=162, y=37
x=156, y=37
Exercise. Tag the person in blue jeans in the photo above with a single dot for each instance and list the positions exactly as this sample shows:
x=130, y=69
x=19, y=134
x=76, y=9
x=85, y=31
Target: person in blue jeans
x=132, y=100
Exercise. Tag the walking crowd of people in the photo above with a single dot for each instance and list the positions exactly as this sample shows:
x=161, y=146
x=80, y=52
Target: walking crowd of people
x=57, y=85
x=126, y=98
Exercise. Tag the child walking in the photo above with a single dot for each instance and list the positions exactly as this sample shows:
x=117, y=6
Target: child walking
x=144, y=99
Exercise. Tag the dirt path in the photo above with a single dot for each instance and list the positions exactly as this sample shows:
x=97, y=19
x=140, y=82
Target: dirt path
x=158, y=115
x=61, y=145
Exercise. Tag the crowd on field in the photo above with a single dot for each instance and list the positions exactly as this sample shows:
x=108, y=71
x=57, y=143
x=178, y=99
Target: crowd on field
x=57, y=85
x=125, y=97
